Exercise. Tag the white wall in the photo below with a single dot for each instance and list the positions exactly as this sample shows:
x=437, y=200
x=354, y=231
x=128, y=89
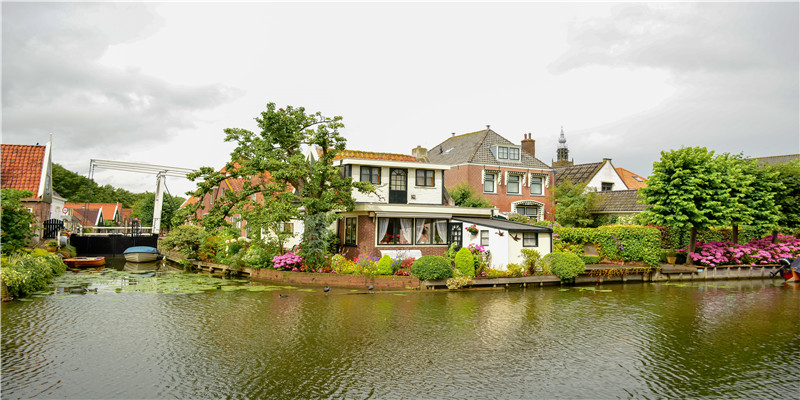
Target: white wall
x=607, y=174
x=424, y=195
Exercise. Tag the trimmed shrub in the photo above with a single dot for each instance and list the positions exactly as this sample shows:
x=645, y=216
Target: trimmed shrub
x=465, y=262
x=590, y=259
x=385, y=265
x=564, y=265
x=432, y=268
x=514, y=270
x=185, y=239
x=532, y=257
x=615, y=242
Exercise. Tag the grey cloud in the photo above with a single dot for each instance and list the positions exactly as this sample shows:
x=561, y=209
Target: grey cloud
x=52, y=81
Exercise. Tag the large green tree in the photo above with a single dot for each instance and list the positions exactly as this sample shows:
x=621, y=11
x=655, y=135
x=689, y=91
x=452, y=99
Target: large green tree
x=75, y=188
x=17, y=224
x=572, y=204
x=143, y=209
x=288, y=165
x=689, y=189
x=754, y=190
x=788, y=198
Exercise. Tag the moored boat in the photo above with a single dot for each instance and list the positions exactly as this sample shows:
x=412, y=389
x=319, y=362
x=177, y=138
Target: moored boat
x=789, y=271
x=141, y=254
x=82, y=262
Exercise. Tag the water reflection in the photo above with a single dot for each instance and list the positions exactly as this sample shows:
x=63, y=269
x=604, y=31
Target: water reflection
x=734, y=339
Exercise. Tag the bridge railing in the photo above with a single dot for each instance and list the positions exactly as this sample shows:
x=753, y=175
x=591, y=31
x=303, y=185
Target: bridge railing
x=115, y=230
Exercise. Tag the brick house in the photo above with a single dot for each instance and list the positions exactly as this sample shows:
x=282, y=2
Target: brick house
x=412, y=214
x=505, y=173
x=29, y=167
x=108, y=212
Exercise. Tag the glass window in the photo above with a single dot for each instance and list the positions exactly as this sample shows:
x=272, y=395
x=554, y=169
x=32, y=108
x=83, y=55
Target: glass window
x=371, y=174
x=430, y=231
x=425, y=177
x=484, y=238
x=350, y=229
x=536, y=186
x=530, y=239
x=287, y=228
x=395, y=230
x=528, y=211
x=512, y=186
x=513, y=153
x=488, y=182
x=347, y=170
x=606, y=186
x=502, y=153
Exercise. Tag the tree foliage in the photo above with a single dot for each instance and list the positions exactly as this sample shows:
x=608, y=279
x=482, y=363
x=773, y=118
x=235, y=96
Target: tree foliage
x=288, y=165
x=18, y=224
x=788, y=199
x=143, y=209
x=464, y=196
x=573, y=203
x=75, y=188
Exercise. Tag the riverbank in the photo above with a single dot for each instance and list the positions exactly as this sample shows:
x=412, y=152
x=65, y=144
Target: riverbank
x=595, y=273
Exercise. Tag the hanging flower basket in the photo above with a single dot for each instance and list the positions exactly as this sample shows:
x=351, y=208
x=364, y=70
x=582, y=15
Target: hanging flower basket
x=472, y=229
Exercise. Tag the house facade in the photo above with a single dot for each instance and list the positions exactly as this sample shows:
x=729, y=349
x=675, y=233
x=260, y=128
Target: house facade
x=599, y=176
x=29, y=167
x=505, y=173
x=410, y=213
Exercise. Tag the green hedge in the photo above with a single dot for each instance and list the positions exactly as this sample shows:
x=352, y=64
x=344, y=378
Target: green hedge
x=590, y=259
x=465, y=262
x=432, y=268
x=24, y=273
x=617, y=242
x=565, y=265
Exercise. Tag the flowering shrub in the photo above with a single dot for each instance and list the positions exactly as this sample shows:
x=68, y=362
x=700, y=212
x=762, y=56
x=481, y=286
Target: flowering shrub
x=755, y=252
x=341, y=265
x=367, y=265
x=287, y=261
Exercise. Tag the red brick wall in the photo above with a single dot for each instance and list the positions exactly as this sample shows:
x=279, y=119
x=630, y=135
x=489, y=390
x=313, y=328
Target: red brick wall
x=472, y=175
x=366, y=242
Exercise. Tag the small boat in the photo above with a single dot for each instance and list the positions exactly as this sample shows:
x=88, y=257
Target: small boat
x=141, y=254
x=789, y=271
x=140, y=267
x=83, y=262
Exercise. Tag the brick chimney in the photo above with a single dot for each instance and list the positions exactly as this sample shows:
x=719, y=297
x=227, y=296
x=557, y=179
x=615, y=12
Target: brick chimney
x=529, y=145
x=420, y=153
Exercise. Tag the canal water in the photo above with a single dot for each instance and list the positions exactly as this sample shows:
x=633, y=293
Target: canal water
x=737, y=339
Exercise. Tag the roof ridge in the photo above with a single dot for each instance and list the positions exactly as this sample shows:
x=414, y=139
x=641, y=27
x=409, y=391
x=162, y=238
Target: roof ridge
x=478, y=145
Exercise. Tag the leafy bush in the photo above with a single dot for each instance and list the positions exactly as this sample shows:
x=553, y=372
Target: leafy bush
x=615, y=242
x=17, y=224
x=465, y=262
x=432, y=268
x=342, y=265
x=367, y=265
x=532, y=258
x=565, y=265
x=514, y=270
x=185, y=239
x=590, y=259
x=25, y=273
x=493, y=273
x=458, y=281
x=385, y=265
x=258, y=256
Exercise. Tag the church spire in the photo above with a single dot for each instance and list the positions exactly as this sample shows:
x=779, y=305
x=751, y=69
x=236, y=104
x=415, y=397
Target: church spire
x=562, y=153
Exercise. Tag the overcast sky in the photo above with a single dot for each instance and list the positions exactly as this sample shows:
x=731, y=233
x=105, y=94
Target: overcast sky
x=158, y=82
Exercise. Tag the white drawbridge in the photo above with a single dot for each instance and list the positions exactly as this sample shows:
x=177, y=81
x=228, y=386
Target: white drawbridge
x=161, y=172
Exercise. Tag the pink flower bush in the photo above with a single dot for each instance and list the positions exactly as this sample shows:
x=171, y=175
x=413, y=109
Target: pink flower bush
x=755, y=252
x=287, y=261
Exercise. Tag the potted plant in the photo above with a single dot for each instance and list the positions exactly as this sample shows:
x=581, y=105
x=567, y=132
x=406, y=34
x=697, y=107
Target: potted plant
x=472, y=229
x=672, y=256
x=52, y=246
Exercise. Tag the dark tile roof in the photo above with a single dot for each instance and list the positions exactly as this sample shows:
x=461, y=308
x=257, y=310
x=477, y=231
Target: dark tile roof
x=475, y=148
x=580, y=173
x=619, y=201
x=772, y=160
x=22, y=167
x=505, y=225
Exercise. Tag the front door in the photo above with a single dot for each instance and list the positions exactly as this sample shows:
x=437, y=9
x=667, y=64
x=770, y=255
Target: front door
x=398, y=186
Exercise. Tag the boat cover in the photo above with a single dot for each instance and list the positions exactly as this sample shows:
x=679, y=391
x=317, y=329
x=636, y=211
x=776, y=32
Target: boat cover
x=141, y=249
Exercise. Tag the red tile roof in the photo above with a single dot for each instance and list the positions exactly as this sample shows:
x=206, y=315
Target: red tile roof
x=368, y=155
x=108, y=208
x=632, y=181
x=22, y=167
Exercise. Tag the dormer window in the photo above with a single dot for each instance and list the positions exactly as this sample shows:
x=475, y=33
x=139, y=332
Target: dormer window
x=506, y=153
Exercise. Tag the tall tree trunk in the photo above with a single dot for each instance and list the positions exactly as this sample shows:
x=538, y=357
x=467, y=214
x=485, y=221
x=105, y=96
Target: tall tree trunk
x=735, y=234
x=775, y=236
x=692, y=243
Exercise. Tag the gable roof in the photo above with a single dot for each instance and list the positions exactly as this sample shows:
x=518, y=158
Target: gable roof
x=618, y=201
x=579, y=173
x=88, y=216
x=23, y=167
x=631, y=180
x=476, y=147
x=109, y=209
x=504, y=224
x=370, y=155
